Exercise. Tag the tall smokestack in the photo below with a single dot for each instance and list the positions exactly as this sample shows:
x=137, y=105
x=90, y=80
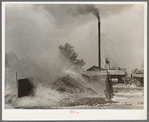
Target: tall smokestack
x=96, y=13
x=99, y=50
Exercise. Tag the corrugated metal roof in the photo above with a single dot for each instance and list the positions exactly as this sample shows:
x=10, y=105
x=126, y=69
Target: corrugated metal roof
x=116, y=72
x=138, y=75
x=104, y=72
x=139, y=71
x=92, y=73
x=95, y=68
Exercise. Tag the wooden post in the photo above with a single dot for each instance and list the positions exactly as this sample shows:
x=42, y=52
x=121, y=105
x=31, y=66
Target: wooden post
x=17, y=81
x=91, y=77
x=108, y=88
x=109, y=66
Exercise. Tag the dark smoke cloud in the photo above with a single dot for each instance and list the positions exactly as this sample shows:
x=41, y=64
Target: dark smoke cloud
x=84, y=9
x=65, y=13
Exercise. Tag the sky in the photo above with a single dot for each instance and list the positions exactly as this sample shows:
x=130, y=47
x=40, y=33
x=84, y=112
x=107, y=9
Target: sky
x=37, y=30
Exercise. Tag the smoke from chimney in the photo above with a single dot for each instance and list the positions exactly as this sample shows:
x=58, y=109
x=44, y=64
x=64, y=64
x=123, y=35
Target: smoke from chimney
x=96, y=13
x=86, y=9
x=91, y=9
x=83, y=9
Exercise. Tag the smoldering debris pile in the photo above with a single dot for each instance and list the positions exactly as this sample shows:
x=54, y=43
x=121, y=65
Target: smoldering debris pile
x=76, y=93
x=68, y=84
x=68, y=90
x=64, y=92
x=44, y=97
x=74, y=90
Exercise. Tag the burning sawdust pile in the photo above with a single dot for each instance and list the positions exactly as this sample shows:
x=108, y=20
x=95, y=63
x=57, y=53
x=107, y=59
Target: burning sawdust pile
x=72, y=86
x=72, y=90
x=65, y=91
x=72, y=83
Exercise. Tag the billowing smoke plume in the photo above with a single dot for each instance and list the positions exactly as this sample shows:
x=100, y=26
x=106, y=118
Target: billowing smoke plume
x=86, y=9
x=34, y=41
x=73, y=10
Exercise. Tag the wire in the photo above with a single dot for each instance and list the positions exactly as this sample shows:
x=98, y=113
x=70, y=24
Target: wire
x=15, y=102
x=11, y=97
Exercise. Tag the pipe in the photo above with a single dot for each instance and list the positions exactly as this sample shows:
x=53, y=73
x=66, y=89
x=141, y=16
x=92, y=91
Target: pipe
x=99, y=50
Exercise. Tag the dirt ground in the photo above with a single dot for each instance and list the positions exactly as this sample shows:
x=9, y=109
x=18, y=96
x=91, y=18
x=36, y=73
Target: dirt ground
x=125, y=97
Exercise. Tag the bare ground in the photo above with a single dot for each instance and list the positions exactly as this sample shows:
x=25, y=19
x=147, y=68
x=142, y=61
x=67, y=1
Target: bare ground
x=126, y=97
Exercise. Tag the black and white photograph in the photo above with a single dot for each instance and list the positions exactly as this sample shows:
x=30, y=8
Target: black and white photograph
x=74, y=57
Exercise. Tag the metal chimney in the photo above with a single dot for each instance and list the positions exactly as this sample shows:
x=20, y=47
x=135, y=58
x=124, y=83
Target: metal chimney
x=99, y=50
